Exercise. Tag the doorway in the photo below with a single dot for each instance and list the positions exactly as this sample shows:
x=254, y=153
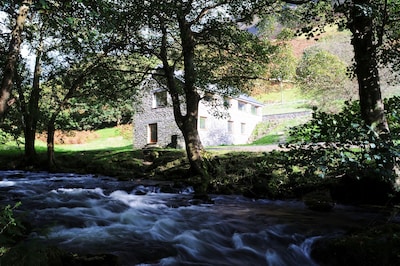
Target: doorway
x=153, y=133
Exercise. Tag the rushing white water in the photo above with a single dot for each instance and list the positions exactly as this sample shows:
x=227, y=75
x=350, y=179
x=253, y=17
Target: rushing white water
x=144, y=226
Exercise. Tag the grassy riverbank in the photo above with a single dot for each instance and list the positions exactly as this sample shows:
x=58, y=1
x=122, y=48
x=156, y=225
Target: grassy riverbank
x=259, y=174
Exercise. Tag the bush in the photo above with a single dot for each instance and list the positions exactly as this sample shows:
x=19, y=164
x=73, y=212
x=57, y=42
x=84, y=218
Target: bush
x=10, y=227
x=341, y=146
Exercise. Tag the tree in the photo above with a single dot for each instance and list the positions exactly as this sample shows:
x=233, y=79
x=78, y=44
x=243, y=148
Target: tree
x=90, y=63
x=203, y=40
x=323, y=77
x=31, y=111
x=374, y=26
x=84, y=53
x=12, y=56
x=363, y=27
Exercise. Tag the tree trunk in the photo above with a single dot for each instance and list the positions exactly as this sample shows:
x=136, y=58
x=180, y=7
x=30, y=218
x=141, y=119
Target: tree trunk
x=194, y=147
x=187, y=123
x=32, y=112
x=51, y=164
x=12, y=58
x=366, y=70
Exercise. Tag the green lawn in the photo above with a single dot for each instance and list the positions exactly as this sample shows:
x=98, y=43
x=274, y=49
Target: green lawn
x=108, y=138
x=281, y=102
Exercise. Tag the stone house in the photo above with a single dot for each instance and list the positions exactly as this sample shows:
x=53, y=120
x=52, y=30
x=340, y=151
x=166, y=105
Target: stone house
x=222, y=120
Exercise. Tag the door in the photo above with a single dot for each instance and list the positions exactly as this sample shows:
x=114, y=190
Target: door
x=153, y=133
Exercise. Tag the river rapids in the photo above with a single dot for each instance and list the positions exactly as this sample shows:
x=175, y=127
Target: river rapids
x=143, y=225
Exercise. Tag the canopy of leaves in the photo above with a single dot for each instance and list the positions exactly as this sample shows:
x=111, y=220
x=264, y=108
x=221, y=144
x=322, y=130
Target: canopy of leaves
x=225, y=55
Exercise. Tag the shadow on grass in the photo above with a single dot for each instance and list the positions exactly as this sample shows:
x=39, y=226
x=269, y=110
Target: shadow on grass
x=124, y=162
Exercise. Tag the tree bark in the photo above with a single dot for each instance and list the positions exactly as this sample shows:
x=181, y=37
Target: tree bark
x=187, y=123
x=366, y=68
x=32, y=113
x=12, y=58
x=189, y=130
x=51, y=164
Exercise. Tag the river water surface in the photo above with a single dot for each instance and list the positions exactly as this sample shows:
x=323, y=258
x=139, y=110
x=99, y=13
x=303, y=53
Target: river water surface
x=144, y=226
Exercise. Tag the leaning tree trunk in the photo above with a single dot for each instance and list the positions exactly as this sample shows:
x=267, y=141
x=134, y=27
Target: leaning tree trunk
x=366, y=69
x=12, y=57
x=32, y=112
x=187, y=123
x=194, y=151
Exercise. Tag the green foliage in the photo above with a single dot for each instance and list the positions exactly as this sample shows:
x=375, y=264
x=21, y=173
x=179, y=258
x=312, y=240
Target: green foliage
x=283, y=65
x=285, y=35
x=326, y=127
x=333, y=145
x=11, y=228
x=319, y=74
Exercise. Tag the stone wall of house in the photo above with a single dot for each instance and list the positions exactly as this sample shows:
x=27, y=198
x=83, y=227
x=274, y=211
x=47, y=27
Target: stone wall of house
x=145, y=115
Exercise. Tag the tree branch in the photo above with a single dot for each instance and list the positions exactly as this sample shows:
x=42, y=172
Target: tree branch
x=205, y=10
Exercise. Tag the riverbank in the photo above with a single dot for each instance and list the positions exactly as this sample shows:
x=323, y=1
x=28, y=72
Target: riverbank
x=256, y=174
x=265, y=171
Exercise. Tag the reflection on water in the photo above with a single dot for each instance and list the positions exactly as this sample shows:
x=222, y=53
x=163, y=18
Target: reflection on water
x=144, y=226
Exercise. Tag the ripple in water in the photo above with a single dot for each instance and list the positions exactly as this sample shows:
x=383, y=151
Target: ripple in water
x=85, y=214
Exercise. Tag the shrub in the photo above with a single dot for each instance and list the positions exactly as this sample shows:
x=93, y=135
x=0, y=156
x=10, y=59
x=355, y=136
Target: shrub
x=342, y=146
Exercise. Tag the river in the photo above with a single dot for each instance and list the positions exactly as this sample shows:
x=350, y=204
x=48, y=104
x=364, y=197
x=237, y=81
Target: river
x=143, y=225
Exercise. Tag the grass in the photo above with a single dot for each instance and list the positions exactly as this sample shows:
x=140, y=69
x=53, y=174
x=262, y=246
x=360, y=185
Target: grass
x=115, y=138
x=276, y=131
x=281, y=102
x=278, y=108
x=268, y=139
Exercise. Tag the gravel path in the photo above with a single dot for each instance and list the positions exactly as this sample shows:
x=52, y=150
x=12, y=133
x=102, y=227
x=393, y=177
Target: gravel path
x=257, y=148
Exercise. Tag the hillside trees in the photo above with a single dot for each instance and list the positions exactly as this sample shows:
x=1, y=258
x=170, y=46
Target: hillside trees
x=323, y=77
x=202, y=39
x=374, y=26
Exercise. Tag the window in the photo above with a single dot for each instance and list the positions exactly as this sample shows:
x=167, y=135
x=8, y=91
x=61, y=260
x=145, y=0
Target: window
x=230, y=126
x=243, y=128
x=227, y=102
x=202, y=123
x=241, y=106
x=160, y=99
x=254, y=110
x=153, y=133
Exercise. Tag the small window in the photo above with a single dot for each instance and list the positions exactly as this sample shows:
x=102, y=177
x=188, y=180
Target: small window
x=241, y=106
x=230, y=126
x=160, y=99
x=243, y=128
x=202, y=122
x=254, y=110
